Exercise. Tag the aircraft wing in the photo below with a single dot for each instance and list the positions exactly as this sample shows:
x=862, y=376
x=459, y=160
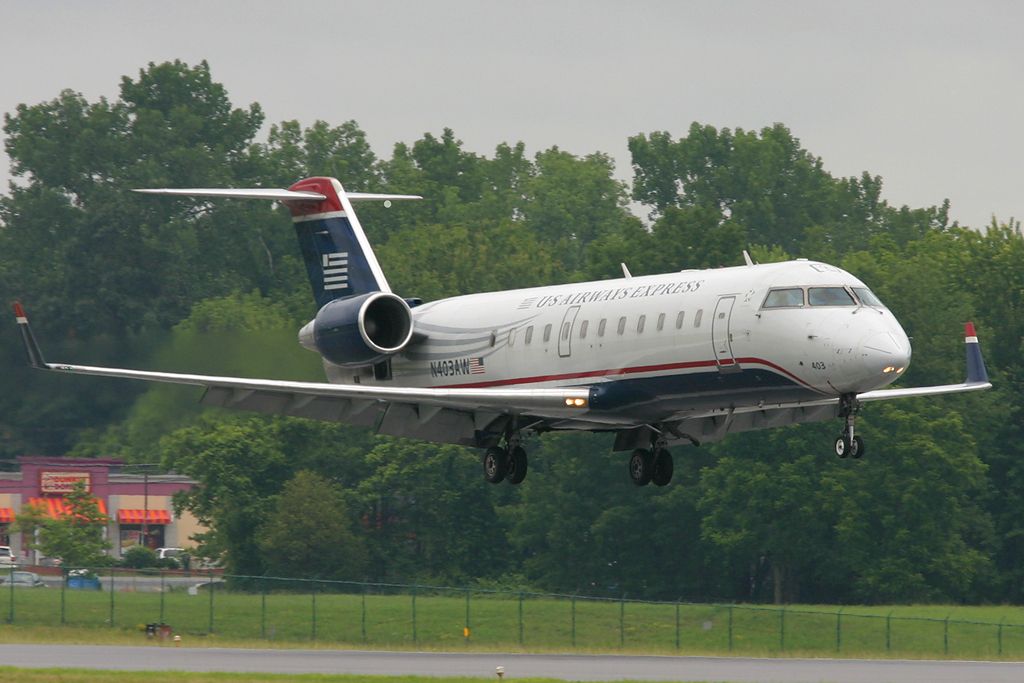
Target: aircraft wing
x=448, y=415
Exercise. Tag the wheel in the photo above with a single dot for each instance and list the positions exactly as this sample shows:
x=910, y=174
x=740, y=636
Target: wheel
x=857, y=447
x=842, y=446
x=515, y=470
x=495, y=464
x=641, y=467
x=663, y=467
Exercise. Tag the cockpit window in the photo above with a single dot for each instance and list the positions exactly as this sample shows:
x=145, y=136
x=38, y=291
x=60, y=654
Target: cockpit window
x=867, y=297
x=829, y=296
x=785, y=298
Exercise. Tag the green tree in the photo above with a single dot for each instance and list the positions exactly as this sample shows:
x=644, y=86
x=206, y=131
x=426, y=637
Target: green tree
x=310, y=532
x=76, y=537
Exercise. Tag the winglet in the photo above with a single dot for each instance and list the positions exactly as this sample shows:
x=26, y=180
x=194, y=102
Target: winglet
x=976, y=372
x=35, y=356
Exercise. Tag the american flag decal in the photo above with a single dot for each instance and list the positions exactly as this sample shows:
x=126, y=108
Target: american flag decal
x=476, y=366
x=335, y=270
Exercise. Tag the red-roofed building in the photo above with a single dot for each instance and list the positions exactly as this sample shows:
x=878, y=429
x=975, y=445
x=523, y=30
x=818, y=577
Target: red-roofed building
x=138, y=504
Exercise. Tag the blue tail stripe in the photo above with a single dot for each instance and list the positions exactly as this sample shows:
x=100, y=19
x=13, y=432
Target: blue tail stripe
x=976, y=371
x=335, y=263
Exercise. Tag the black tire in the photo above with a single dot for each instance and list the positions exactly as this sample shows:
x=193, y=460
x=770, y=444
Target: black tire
x=661, y=474
x=517, y=465
x=495, y=464
x=641, y=467
x=857, y=447
x=842, y=446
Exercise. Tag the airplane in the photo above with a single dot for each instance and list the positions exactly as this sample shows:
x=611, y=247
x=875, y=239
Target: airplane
x=678, y=358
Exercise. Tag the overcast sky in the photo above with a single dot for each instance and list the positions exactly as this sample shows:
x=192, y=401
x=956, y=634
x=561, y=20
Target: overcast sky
x=929, y=95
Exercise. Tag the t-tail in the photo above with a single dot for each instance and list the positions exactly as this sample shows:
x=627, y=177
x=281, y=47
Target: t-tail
x=339, y=260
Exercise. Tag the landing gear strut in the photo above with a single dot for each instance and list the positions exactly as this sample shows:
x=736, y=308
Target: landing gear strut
x=848, y=443
x=652, y=466
x=507, y=462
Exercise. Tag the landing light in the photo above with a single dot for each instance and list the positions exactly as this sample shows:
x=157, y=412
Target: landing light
x=888, y=369
x=576, y=402
x=899, y=370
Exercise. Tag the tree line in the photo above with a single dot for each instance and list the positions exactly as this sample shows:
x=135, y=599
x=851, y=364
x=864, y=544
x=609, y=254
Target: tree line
x=932, y=513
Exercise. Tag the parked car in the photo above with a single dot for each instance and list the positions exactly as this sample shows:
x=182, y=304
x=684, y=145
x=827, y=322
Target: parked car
x=173, y=557
x=22, y=580
x=6, y=555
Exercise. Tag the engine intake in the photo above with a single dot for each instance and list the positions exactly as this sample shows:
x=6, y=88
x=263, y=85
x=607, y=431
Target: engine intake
x=362, y=330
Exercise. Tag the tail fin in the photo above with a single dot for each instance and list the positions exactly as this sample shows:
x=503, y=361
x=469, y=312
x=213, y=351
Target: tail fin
x=339, y=260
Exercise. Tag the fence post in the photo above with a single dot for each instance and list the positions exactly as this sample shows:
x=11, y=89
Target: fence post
x=263, y=608
x=363, y=621
x=574, y=620
x=415, y=637
x=313, y=593
x=999, y=637
x=163, y=589
x=520, y=617
x=63, y=583
x=839, y=630
x=622, y=621
x=945, y=636
x=209, y=583
x=730, y=628
x=677, y=624
x=10, y=580
x=888, y=632
x=112, y=575
x=782, y=629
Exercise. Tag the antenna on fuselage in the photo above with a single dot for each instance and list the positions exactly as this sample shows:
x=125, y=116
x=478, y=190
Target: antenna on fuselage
x=746, y=257
x=625, y=271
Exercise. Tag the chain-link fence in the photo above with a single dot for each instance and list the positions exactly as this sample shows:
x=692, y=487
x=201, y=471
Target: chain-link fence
x=205, y=603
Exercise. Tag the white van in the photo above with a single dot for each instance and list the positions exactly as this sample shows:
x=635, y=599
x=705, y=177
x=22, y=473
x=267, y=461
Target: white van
x=6, y=556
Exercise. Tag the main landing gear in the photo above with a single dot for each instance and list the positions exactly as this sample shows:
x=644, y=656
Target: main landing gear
x=651, y=466
x=849, y=444
x=507, y=463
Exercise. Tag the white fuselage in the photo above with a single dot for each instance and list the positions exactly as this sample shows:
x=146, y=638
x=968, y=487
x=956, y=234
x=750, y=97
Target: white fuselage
x=660, y=345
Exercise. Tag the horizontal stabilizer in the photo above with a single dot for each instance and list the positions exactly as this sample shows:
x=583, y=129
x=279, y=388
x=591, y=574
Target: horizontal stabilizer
x=272, y=194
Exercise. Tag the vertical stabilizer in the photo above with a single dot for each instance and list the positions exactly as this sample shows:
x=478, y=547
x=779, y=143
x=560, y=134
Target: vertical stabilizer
x=338, y=257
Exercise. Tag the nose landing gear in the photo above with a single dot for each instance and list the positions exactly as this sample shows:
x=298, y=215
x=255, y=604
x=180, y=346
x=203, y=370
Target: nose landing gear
x=849, y=444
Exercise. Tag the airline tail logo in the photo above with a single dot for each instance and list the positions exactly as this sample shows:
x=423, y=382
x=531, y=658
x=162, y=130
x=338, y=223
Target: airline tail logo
x=335, y=267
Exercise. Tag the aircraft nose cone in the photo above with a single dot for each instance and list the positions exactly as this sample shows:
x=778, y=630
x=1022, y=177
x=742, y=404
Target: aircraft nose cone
x=886, y=352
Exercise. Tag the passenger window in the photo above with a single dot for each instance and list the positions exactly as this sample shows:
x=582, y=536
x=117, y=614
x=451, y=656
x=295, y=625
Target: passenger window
x=640, y=324
x=529, y=334
x=622, y=324
x=583, y=329
x=565, y=330
x=829, y=296
x=511, y=337
x=679, y=320
x=661, y=322
x=600, y=327
x=792, y=297
x=697, y=316
x=547, y=332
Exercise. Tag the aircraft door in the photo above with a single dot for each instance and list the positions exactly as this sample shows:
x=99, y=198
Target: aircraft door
x=565, y=332
x=721, y=338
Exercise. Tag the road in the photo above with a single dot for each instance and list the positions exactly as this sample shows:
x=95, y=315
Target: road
x=566, y=667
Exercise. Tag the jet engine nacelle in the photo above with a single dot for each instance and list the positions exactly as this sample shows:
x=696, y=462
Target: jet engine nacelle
x=359, y=330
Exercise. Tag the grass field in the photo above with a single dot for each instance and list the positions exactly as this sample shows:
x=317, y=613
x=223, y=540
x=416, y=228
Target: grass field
x=90, y=676
x=510, y=622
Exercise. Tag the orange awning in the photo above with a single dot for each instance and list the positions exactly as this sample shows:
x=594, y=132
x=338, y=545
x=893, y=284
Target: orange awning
x=143, y=517
x=58, y=507
x=6, y=515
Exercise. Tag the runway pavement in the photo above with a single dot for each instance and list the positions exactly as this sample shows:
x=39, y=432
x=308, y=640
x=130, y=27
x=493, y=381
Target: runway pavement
x=566, y=667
